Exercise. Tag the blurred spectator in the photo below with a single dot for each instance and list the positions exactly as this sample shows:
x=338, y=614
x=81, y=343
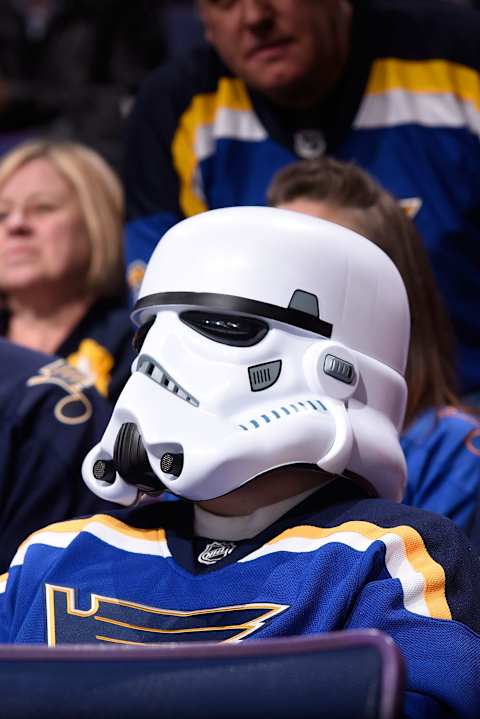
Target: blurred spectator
x=183, y=28
x=69, y=68
x=391, y=84
x=475, y=533
x=440, y=439
x=469, y=3
x=50, y=417
x=62, y=278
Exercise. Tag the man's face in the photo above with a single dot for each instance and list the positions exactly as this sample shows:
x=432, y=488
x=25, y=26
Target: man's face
x=288, y=49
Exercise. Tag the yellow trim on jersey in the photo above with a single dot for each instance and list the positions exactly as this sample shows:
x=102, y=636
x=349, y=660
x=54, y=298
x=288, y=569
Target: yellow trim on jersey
x=407, y=558
x=425, y=76
x=78, y=525
x=123, y=536
x=95, y=361
x=416, y=553
x=231, y=94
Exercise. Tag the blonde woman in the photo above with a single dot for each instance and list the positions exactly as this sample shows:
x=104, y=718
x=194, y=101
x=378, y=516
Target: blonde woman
x=62, y=284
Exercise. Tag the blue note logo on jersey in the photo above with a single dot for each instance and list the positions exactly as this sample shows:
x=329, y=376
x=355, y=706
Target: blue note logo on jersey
x=122, y=622
x=75, y=407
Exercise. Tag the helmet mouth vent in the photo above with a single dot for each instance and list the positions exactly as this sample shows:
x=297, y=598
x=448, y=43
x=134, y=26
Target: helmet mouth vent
x=281, y=412
x=148, y=366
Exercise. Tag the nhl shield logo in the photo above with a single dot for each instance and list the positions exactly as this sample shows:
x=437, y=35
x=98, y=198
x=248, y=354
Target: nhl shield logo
x=309, y=144
x=215, y=551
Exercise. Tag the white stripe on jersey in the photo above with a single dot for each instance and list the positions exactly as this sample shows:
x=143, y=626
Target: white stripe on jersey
x=233, y=124
x=413, y=583
x=99, y=529
x=400, y=107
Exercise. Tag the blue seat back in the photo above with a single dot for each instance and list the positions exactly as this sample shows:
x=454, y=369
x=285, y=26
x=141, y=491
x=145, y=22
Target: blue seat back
x=342, y=674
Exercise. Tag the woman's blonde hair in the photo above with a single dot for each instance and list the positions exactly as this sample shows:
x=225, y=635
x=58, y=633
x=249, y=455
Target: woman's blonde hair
x=373, y=212
x=100, y=198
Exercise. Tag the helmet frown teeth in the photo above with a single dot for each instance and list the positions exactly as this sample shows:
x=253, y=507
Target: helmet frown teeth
x=148, y=366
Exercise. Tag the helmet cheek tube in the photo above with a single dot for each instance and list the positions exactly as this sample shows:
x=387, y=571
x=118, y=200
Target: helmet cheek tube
x=338, y=456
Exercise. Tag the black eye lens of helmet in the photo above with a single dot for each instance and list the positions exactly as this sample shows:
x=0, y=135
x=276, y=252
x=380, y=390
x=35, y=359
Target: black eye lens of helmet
x=234, y=330
x=140, y=334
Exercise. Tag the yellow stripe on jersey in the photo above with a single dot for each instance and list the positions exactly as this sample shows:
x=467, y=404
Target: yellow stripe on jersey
x=431, y=93
x=189, y=145
x=429, y=76
x=3, y=582
x=406, y=558
x=106, y=528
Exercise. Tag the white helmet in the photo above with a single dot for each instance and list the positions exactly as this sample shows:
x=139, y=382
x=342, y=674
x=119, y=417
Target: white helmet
x=270, y=338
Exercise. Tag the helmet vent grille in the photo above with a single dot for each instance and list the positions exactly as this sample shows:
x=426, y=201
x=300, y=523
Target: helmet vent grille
x=264, y=375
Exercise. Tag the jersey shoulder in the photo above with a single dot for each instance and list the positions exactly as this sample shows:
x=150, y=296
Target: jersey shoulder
x=130, y=529
x=419, y=537
x=447, y=421
x=182, y=78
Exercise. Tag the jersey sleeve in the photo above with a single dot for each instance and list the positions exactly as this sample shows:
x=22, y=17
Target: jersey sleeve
x=475, y=529
x=46, y=431
x=163, y=148
x=7, y=602
x=151, y=181
x=22, y=588
x=435, y=622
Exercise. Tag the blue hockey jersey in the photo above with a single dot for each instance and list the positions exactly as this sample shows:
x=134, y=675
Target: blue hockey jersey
x=100, y=345
x=335, y=561
x=442, y=449
x=407, y=111
x=50, y=417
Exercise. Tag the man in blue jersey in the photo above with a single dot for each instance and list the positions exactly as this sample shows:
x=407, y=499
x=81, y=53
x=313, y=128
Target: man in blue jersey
x=390, y=84
x=50, y=416
x=270, y=402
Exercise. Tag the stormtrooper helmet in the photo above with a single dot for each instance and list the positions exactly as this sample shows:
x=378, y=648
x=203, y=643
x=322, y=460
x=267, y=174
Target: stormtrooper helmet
x=267, y=338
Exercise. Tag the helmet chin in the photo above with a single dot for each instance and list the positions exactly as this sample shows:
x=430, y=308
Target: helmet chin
x=241, y=371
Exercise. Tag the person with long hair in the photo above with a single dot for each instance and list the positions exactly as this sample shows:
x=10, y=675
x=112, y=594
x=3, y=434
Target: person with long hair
x=62, y=276
x=441, y=437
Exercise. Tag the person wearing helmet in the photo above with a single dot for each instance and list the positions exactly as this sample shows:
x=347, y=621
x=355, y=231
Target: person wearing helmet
x=267, y=393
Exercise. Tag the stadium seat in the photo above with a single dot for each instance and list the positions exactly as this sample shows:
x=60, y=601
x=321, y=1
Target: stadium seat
x=337, y=675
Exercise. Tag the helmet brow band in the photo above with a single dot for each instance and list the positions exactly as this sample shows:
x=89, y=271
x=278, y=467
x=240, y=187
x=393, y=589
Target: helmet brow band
x=229, y=303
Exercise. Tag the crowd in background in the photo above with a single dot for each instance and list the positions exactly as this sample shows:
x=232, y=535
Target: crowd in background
x=70, y=74
x=119, y=119
x=70, y=69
